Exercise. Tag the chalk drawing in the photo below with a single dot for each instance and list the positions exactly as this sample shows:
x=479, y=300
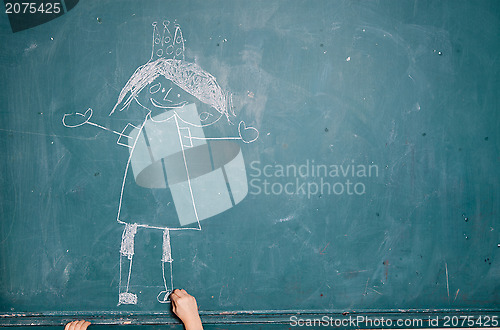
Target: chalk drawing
x=167, y=147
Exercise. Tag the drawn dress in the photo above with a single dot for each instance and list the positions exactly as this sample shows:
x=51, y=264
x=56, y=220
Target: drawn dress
x=169, y=150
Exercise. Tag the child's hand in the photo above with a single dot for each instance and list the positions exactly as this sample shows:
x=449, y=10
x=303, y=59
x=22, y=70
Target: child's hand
x=185, y=307
x=77, y=325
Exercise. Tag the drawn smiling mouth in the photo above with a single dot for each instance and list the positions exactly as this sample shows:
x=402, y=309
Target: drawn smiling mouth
x=170, y=106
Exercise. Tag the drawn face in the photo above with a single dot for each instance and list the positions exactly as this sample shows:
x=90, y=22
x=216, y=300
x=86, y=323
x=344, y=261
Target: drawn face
x=163, y=95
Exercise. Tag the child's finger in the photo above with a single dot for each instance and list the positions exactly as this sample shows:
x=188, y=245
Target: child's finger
x=174, y=296
x=180, y=292
x=82, y=325
x=77, y=325
x=71, y=325
x=67, y=326
x=174, y=305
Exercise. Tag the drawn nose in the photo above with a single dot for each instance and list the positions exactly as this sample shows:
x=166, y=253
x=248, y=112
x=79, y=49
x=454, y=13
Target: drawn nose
x=165, y=98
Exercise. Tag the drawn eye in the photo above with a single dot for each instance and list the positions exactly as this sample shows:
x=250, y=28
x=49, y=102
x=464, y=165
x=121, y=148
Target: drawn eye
x=205, y=115
x=155, y=88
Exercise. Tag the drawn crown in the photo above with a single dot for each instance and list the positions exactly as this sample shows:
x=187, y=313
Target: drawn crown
x=165, y=44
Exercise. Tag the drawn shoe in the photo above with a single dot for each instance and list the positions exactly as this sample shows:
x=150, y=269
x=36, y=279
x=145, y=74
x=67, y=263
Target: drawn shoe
x=127, y=298
x=163, y=297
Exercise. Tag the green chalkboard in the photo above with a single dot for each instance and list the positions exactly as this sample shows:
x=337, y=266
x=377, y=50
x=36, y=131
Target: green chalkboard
x=274, y=158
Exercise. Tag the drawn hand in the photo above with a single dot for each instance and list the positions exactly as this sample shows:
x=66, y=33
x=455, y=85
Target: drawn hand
x=248, y=134
x=77, y=325
x=76, y=119
x=185, y=307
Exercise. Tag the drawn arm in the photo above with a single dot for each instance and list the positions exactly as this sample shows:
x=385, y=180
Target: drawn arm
x=247, y=134
x=77, y=119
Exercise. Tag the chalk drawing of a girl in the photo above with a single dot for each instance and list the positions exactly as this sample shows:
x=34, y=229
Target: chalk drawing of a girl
x=168, y=149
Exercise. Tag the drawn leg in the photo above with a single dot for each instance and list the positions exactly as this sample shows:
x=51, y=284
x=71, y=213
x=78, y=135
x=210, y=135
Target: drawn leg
x=127, y=254
x=166, y=262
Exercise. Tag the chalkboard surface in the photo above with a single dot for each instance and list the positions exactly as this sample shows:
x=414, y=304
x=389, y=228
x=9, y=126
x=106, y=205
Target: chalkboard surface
x=268, y=156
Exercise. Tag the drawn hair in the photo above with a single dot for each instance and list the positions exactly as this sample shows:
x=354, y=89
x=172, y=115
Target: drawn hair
x=188, y=76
